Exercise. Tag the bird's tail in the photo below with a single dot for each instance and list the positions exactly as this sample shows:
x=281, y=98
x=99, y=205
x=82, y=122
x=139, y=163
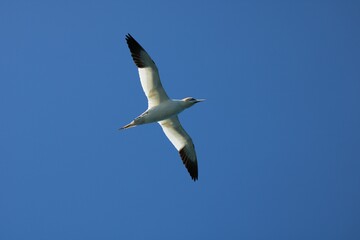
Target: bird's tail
x=130, y=125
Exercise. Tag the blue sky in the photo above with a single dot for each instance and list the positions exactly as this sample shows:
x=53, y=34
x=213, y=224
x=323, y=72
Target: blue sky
x=278, y=139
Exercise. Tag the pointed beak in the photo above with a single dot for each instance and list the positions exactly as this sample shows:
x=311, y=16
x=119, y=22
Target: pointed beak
x=200, y=100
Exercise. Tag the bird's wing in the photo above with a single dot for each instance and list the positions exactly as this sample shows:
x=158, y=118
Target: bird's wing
x=183, y=143
x=149, y=74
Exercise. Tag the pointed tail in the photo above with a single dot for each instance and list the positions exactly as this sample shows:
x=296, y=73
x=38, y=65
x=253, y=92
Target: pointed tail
x=130, y=125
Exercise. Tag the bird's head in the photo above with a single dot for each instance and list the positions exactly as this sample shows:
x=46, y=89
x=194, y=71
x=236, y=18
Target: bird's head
x=191, y=101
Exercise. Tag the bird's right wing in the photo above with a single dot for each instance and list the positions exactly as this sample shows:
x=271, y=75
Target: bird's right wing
x=183, y=143
x=149, y=74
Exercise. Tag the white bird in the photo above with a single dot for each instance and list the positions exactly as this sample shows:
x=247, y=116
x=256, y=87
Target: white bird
x=161, y=108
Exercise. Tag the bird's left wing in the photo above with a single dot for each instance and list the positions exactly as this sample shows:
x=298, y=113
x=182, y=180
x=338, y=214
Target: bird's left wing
x=149, y=74
x=182, y=142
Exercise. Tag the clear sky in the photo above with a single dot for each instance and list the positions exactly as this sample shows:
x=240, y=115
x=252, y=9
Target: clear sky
x=278, y=139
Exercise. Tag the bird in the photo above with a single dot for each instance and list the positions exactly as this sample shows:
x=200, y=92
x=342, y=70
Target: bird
x=161, y=108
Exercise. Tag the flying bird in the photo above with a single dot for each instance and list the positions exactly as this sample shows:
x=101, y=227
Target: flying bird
x=161, y=108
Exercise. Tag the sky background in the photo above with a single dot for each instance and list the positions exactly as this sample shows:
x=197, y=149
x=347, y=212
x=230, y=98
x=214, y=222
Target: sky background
x=278, y=139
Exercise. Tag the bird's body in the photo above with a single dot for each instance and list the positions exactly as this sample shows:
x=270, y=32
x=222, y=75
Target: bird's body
x=164, y=110
x=161, y=108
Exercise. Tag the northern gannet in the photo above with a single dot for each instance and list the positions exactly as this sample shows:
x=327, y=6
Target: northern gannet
x=161, y=108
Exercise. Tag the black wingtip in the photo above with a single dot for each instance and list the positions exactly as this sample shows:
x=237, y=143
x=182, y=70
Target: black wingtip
x=130, y=38
x=135, y=49
x=191, y=166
